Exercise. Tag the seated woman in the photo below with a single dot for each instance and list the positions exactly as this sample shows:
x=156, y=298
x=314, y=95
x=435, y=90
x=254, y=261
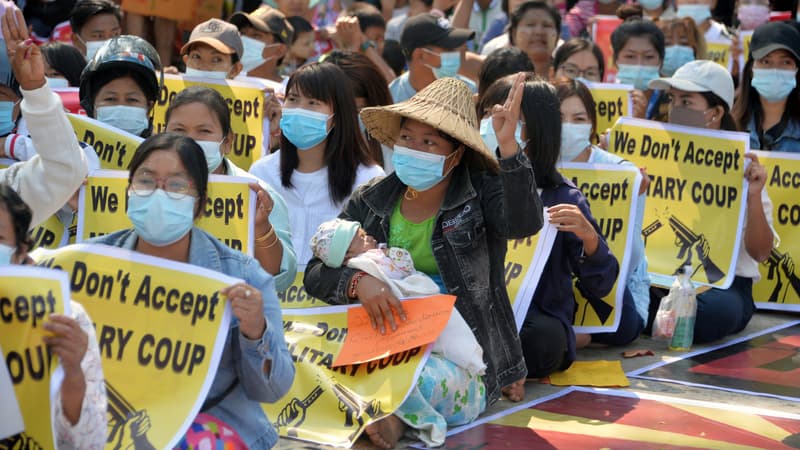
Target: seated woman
x=167, y=186
x=578, y=131
x=578, y=58
x=768, y=105
x=579, y=250
x=449, y=204
x=638, y=48
x=701, y=95
x=203, y=114
x=79, y=412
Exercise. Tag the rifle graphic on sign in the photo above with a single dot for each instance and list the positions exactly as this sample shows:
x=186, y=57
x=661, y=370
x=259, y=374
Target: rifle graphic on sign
x=781, y=262
x=127, y=426
x=294, y=413
x=687, y=240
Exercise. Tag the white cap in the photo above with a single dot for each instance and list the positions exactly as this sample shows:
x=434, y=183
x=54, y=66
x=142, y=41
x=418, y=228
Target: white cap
x=699, y=76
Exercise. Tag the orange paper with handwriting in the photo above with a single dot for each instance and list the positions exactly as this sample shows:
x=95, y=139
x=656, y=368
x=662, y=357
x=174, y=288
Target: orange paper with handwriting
x=425, y=319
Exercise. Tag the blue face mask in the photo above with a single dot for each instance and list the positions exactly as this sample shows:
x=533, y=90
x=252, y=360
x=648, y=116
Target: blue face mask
x=212, y=153
x=450, y=63
x=6, y=118
x=304, y=128
x=651, y=5
x=774, y=85
x=676, y=56
x=698, y=13
x=129, y=118
x=638, y=76
x=159, y=219
x=6, y=253
x=418, y=170
x=490, y=138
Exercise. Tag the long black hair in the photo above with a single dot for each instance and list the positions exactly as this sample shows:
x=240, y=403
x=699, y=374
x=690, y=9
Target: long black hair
x=66, y=60
x=345, y=148
x=541, y=111
x=21, y=217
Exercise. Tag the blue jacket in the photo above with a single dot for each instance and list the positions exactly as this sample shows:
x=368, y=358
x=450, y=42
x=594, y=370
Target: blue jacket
x=788, y=141
x=479, y=214
x=596, y=273
x=242, y=359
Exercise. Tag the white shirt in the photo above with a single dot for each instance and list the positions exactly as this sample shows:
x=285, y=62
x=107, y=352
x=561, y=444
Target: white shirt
x=746, y=266
x=308, y=200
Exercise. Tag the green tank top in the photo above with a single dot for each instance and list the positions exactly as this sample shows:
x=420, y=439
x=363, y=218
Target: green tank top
x=414, y=237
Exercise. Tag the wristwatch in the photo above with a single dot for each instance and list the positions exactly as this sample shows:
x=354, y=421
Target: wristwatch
x=366, y=45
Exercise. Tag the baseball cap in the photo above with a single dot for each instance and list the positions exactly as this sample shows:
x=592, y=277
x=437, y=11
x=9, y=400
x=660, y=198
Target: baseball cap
x=266, y=19
x=429, y=29
x=699, y=76
x=222, y=36
x=773, y=36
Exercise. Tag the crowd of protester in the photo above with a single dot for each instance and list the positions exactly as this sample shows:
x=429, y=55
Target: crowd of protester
x=401, y=116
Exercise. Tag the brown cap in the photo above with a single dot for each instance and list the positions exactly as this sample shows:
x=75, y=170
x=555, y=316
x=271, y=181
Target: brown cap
x=220, y=35
x=266, y=19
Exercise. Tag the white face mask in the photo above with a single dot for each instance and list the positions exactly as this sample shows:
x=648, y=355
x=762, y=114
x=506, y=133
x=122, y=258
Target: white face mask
x=253, y=51
x=698, y=13
x=92, y=47
x=132, y=119
x=57, y=82
x=206, y=74
x=6, y=253
x=212, y=153
x=574, y=139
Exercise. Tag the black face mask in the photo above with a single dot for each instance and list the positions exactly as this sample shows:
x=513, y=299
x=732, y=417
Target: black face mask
x=680, y=115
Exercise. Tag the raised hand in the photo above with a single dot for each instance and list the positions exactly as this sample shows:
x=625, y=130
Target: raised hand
x=505, y=118
x=25, y=56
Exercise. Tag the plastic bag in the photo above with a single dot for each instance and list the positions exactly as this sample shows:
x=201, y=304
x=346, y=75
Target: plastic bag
x=664, y=323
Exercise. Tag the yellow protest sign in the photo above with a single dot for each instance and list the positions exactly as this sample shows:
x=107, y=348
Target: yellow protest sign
x=525, y=261
x=779, y=287
x=228, y=214
x=156, y=320
x=28, y=295
x=333, y=406
x=114, y=147
x=695, y=200
x=51, y=234
x=719, y=51
x=295, y=296
x=246, y=102
x=612, y=190
x=745, y=36
x=612, y=102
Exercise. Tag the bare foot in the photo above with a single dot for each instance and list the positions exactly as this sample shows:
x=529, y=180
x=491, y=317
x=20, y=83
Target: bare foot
x=386, y=432
x=582, y=340
x=515, y=391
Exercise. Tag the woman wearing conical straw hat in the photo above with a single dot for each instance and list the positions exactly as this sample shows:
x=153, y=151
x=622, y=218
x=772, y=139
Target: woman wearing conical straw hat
x=453, y=204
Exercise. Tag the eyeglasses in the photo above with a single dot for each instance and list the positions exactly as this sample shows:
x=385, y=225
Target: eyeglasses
x=176, y=187
x=572, y=71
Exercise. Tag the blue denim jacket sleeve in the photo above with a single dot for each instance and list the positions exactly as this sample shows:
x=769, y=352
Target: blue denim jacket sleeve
x=515, y=210
x=279, y=218
x=260, y=385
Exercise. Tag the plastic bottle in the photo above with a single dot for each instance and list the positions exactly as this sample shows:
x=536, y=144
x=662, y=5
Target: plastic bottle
x=686, y=312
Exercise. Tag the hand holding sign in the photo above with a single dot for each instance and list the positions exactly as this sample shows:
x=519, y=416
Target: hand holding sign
x=24, y=55
x=568, y=217
x=756, y=174
x=379, y=302
x=247, y=306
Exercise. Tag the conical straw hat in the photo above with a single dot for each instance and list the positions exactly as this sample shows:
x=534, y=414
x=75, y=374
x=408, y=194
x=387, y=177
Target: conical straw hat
x=446, y=104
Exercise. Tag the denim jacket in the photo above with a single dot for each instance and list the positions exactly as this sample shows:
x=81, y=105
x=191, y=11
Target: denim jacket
x=479, y=214
x=788, y=141
x=242, y=359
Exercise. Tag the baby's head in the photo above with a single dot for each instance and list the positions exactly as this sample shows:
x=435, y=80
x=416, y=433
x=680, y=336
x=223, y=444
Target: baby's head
x=337, y=240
